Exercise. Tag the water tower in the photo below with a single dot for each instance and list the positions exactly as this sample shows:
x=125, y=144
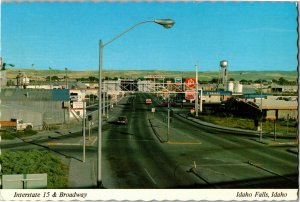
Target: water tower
x=224, y=65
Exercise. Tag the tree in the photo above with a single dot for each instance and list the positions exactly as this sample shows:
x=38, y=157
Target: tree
x=244, y=81
x=214, y=80
x=274, y=81
x=282, y=81
x=93, y=79
x=231, y=79
x=54, y=78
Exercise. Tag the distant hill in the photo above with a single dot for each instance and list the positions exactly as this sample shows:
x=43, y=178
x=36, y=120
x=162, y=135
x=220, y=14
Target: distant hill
x=134, y=74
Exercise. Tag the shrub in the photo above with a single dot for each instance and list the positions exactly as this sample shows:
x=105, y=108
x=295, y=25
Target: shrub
x=35, y=162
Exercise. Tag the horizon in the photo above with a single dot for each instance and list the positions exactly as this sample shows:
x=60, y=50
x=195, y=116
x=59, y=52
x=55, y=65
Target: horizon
x=91, y=70
x=256, y=36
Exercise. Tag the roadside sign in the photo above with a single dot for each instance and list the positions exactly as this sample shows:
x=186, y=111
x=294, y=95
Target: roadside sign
x=178, y=80
x=154, y=76
x=190, y=82
x=77, y=105
x=190, y=95
x=153, y=110
x=24, y=181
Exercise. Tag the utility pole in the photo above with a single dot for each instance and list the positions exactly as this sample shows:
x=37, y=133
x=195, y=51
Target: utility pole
x=261, y=111
x=168, y=130
x=50, y=78
x=107, y=103
x=66, y=78
x=197, y=94
x=201, y=93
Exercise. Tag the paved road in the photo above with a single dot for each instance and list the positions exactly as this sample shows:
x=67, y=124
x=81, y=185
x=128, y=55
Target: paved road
x=135, y=158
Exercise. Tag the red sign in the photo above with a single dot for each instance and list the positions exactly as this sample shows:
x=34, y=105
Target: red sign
x=190, y=82
x=190, y=95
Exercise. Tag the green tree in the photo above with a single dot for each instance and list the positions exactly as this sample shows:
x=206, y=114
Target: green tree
x=282, y=81
x=214, y=80
x=93, y=79
x=54, y=78
x=244, y=81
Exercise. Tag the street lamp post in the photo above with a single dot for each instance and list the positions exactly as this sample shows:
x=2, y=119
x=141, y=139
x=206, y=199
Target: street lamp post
x=83, y=129
x=167, y=23
x=50, y=77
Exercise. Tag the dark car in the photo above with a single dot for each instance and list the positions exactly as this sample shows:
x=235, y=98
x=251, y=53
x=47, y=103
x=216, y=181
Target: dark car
x=122, y=120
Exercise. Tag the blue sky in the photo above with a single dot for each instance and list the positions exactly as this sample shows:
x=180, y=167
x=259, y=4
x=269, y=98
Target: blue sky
x=251, y=36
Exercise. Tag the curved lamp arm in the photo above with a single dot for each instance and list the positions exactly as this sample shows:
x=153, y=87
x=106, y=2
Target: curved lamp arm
x=166, y=23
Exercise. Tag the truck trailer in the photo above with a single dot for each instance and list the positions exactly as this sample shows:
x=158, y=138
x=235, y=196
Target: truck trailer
x=15, y=124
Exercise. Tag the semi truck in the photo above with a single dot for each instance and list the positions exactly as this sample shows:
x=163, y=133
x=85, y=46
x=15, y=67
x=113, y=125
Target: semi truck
x=15, y=124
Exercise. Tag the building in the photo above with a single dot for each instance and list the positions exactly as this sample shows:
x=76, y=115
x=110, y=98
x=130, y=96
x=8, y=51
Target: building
x=284, y=89
x=22, y=80
x=3, y=78
x=38, y=106
x=215, y=96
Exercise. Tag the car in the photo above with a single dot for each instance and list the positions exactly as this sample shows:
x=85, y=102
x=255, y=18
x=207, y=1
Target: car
x=122, y=120
x=148, y=101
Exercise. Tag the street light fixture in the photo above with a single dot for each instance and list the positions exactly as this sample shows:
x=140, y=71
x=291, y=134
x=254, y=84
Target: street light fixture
x=166, y=23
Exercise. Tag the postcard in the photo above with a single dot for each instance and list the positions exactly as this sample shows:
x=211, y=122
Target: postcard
x=149, y=100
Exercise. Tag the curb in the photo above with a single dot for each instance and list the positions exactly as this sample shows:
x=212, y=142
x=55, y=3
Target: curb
x=155, y=132
x=276, y=144
x=221, y=128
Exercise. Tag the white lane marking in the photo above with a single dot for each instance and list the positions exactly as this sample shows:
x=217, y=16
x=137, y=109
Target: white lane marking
x=64, y=144
x=150, y=176
x=92, y=143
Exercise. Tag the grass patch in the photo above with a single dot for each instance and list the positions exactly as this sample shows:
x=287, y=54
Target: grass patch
x=36, y=162
x=9, y=135
x=282, y=126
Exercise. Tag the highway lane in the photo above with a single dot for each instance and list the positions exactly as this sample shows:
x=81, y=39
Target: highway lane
x=133, y=157
x=228, y=157
x=136, y=158
x=222, y=160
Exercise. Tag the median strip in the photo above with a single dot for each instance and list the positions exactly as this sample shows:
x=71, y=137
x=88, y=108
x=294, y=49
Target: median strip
x=177, y=142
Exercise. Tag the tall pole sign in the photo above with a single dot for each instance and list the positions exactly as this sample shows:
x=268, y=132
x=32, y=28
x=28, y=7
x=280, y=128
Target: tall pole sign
x=190, y=82
x=178, y=81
